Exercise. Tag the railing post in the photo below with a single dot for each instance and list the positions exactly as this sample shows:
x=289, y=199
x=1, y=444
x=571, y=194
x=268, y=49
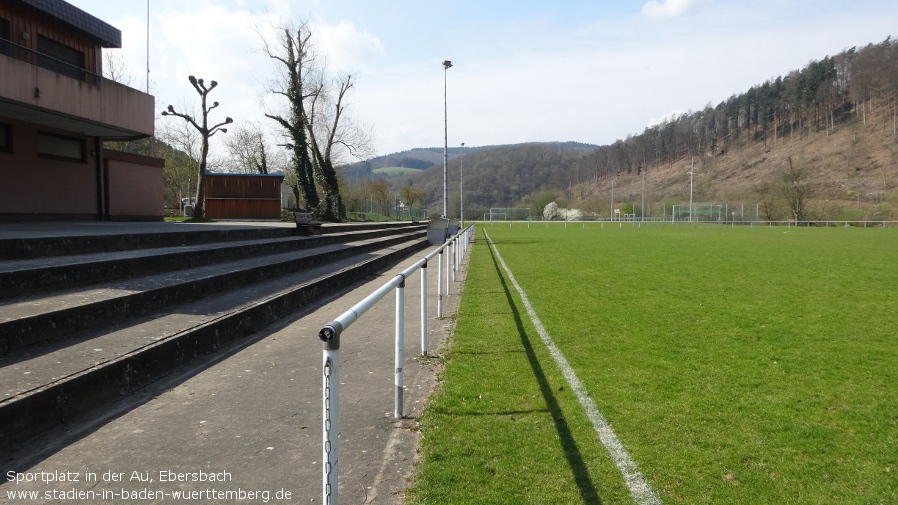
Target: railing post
x=440, y=285
x=330, y=334
x=458, y=252
x=424, y=309
x=448, y=268
x=454, y=257
x=400, y=344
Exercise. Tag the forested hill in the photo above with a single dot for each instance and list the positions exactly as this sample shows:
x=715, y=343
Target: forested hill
x=426, y=157
x=502, y=176
x=836, y=119
x=836, y=90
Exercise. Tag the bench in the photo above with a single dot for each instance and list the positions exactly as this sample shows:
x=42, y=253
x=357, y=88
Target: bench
x=305, y=225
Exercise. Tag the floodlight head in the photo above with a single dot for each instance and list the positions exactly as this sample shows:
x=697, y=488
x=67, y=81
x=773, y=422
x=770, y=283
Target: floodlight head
x=447, y=64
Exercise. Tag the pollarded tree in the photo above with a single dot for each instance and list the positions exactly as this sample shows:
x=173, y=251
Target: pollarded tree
x=205, y=132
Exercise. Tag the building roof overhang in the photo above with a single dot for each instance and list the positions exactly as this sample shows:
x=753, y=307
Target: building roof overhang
x=104, y=33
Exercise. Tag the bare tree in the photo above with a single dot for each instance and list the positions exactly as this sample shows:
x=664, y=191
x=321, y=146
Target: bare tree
x=411, y=195
x=317, y=125
x=205, y=132
x=180, y=147
x=381, y=193
x=116, y=69
x=769, y=202
x=322, y=161
x=294, y=54
x=249, y=150
x=797, y=189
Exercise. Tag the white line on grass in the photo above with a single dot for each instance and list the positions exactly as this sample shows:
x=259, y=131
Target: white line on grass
x=640, y=490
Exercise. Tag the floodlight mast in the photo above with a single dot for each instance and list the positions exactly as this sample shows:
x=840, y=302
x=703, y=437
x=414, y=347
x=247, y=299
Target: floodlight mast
x=446, y=66
x=461, y=189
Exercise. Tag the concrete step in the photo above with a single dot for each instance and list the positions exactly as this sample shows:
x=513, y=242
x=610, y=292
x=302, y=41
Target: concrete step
x=49, y=273
x=47, y=384
x=61, y=244
x=31, y=319
x=19, y=241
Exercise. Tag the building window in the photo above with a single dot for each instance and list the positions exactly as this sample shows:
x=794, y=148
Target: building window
x=59, y=147
x=5, y=140
x=4, y=36
x=60, y=58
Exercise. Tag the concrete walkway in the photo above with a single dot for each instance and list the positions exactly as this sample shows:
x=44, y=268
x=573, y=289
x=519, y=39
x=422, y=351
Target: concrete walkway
x=244, y=426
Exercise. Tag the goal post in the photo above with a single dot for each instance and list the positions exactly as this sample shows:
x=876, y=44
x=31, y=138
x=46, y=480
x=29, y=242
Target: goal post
x=700, y=212
x=509, y=214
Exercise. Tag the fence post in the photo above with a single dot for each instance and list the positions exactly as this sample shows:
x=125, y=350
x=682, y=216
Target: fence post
x=454, y=257
x=400, y=344
x=330, y=334
x=448, y=268
x=440, y=285
x=424, y=309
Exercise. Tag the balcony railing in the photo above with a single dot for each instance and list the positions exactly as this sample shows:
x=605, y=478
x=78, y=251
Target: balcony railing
x=22, y=53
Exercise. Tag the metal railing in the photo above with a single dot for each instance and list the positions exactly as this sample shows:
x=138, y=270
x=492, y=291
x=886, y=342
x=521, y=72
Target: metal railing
x=330, y=335
x=22, y=53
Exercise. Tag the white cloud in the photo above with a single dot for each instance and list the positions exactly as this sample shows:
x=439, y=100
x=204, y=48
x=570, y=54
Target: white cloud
x=667, y=8
x=528, y=78
x=346, y=47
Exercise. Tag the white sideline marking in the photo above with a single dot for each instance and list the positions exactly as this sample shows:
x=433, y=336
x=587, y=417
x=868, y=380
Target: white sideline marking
x=640, y=490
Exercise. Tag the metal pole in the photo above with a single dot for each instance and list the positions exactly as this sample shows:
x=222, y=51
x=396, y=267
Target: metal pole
x=448, y=267
x=148, y=46
x=461, y=189
x=424, y=309
x=440, y=285
x=330, y=419
x=454, y=257
x=446, y=66
x=400, y=344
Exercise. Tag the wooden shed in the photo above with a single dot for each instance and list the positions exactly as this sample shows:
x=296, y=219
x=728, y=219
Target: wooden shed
x=243, y=196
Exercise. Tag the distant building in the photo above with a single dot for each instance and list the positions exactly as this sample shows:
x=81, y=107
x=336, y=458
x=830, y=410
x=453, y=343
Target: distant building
x=244, y=196
x=55, y=111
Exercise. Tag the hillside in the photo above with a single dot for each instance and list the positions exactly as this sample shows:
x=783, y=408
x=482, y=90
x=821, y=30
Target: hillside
x=502, y=176
x=853, y=170
x=836, y=120
x=418, y=159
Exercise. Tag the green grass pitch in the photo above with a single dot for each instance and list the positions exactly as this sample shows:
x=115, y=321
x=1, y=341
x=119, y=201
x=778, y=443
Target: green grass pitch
x=736, y=365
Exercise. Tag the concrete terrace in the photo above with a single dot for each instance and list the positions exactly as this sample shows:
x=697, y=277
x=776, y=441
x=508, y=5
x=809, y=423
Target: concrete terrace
x=248, y=407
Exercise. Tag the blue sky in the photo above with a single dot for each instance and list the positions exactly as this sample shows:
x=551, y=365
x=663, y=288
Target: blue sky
x=588, y=71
